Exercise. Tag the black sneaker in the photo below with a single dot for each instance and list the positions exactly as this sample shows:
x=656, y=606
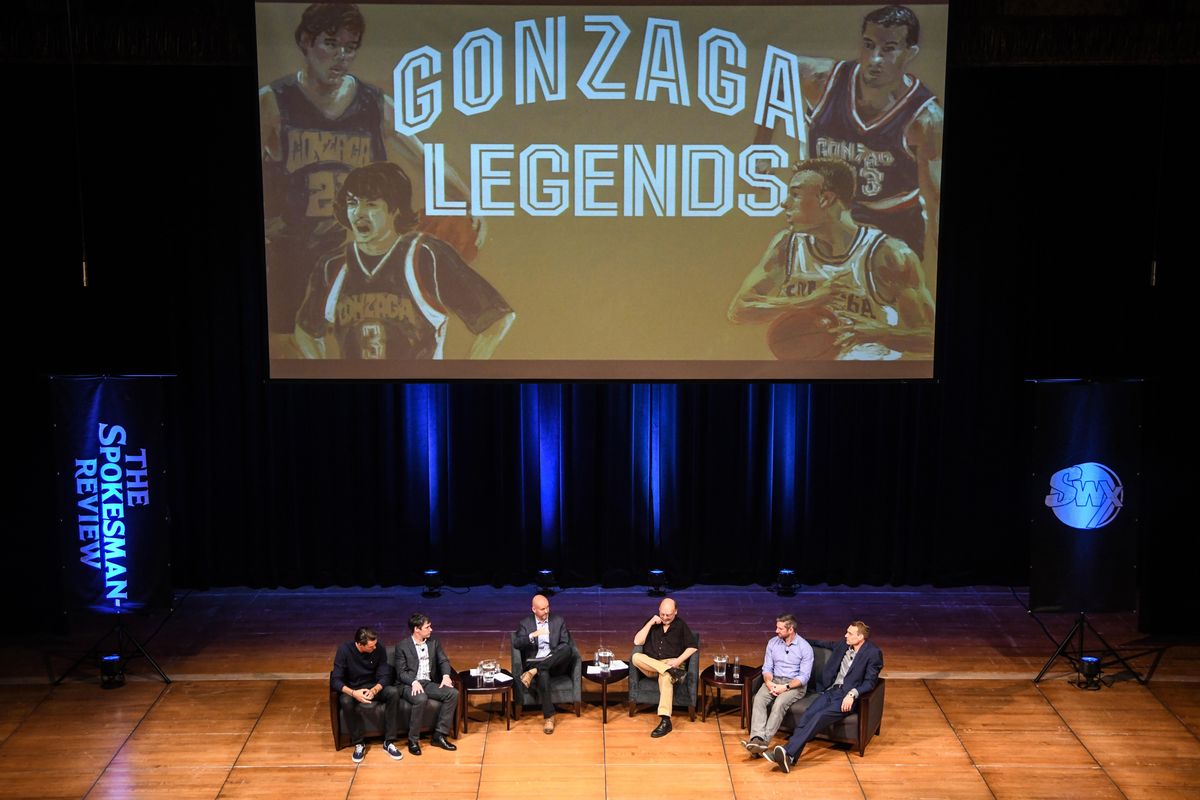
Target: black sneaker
x=664, y=727
x=755, y=746
x=393, y=751
x=360, y=750
x=676, y=674
x=779, y=755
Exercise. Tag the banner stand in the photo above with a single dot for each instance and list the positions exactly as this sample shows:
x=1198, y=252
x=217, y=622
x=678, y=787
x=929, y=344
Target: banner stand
x=124, y=639
x=1077, y=662
x=113, y=520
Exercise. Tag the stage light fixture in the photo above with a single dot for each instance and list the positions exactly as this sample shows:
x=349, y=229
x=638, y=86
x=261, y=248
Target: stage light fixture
x=786, y=583
x=1089, y=673
x=433, y=583
x=112, y=671
x=656, y=578
x=546, y=582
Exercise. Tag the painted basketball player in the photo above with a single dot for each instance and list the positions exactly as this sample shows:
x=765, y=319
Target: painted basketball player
x=887, y=124
x=316, y=125
x=389, y=293
x=827, y=264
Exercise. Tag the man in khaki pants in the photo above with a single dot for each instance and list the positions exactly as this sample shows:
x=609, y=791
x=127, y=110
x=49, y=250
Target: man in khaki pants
x=667, y=643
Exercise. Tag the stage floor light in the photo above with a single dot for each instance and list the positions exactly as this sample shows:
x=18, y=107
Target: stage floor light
x=433, y=583
x=1089, y=673
x=112, y=671
x=656, y=578
x=786, y=583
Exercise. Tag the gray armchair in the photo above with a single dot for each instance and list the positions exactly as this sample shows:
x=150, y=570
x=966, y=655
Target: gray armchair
x=644, y=691
x=565, y=689
x=858, y=727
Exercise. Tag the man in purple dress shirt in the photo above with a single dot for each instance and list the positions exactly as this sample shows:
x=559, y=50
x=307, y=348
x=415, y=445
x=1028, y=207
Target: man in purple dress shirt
x=787, y=667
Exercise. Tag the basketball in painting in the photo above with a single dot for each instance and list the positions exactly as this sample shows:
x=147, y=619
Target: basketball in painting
x=804, y=335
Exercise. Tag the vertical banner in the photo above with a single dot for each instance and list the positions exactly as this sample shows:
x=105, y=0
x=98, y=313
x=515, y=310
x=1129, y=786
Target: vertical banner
x=113, y=519
x=1086, y=481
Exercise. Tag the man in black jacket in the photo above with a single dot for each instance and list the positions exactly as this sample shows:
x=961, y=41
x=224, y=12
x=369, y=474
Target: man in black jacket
x=362, y=676
x=423, y=672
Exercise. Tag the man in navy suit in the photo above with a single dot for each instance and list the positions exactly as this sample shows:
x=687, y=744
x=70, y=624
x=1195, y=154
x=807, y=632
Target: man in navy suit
x=423, y=671
x=546, y=648
x=851, y=671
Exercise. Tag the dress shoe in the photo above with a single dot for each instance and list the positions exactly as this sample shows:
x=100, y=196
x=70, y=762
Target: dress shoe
x=414, y=747
x=527, y=677
x=664, y=727
x=779, y=755
x=676, y=674
x=439, y=740
x=548, y=725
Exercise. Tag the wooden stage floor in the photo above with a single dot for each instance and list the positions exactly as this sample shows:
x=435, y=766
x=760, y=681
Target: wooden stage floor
x=247, y=714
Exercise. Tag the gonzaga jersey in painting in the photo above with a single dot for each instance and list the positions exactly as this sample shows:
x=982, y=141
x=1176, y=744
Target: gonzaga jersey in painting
x=855, y=295
x=299, y=191
x=887, y=195
x=318, y=152
x=396, y=305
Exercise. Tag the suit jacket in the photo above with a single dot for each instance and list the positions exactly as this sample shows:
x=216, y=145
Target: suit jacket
x=407, y=662
x=863, y=672
x=559, y=635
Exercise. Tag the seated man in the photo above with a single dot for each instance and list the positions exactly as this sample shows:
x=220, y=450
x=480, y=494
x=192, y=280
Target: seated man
x=362, y=676
x=850, y=671
x=545, y=643
x=423, y=671
x=787, y=666
x=667, y=644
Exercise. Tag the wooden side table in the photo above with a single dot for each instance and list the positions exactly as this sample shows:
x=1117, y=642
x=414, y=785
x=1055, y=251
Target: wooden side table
x=613, y=676
x=709, y=680
x=473, y=684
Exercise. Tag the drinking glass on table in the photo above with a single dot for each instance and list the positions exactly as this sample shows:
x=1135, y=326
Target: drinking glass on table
x=719, y=661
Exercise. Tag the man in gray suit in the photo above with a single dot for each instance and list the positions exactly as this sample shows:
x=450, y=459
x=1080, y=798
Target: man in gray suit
x=423, y=672
x=546, y=647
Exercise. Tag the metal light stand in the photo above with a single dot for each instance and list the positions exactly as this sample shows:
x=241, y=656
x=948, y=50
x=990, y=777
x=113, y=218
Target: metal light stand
x=1077, y=629
x=124, y=640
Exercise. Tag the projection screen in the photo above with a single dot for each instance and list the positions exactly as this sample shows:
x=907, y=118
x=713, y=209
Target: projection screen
x=601, y=192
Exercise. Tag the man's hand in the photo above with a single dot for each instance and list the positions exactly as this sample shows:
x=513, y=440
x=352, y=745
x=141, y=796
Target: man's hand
x=363, y=696
x=671, y=662
x=446, y=682
x=656, y=620
x=778, y=688
x=416, y=688
x=847, y=703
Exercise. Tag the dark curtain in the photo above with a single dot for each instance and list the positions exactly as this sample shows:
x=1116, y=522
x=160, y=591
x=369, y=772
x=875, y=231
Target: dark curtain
x=1060, y=190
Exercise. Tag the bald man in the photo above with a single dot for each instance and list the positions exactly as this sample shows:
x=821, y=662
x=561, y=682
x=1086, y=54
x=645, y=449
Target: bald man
x=546, y=648
x=667, y=643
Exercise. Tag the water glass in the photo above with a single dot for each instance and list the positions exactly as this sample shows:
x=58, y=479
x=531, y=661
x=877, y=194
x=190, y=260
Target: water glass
x=737, y=669
x=719, y=664
x=604, y=658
